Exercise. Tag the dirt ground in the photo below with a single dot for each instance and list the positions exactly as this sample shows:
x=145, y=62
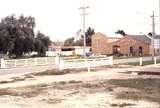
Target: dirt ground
x=100, y=88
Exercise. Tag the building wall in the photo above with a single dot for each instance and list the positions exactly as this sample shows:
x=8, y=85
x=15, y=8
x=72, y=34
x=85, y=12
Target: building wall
x=101, y=45
x=127, y=42
x=78, y=50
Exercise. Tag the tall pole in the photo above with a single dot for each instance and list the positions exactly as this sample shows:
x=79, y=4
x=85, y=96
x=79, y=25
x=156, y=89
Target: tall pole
x=84, y=22
x=159, y=15
x=153, y=34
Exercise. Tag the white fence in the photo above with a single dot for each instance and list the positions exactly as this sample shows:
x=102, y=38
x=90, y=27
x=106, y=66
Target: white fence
x=26, y=62
x=72, y=62
x=85, y=63
x=140, y=60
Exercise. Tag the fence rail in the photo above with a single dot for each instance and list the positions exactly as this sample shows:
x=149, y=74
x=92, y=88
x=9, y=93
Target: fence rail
x=26, y=62
x=73, y=63
x=85, y=63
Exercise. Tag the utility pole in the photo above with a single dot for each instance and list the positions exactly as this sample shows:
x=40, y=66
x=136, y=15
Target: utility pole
x=83, y=8
x=159, y=15
x=153, y=34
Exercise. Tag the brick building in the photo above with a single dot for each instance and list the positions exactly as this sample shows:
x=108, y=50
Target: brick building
x=126, y=45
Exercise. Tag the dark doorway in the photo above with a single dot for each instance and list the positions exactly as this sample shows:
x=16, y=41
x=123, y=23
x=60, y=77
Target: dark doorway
x=131, y=50
x=116, y=50
x=140, y=50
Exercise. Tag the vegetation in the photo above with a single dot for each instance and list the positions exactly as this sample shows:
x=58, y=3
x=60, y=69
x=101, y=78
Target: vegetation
x=89, y=34
x=17, y=36
x=72, y=42
x=41, y=43
x=121, y=32
x=69, y=41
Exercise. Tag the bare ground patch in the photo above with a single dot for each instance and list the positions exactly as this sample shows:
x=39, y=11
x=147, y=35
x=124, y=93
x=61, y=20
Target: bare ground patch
x=100, y=93
x=139, y=89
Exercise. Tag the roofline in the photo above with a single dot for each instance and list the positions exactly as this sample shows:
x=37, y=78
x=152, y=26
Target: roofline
x=138, y=40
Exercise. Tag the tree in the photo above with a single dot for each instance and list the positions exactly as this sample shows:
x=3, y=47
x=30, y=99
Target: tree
x=121, y=32
x=79, y=42
x=88, y=35
x=150, y=34
x=69, y=42
x=41, y=43
x=17, y=36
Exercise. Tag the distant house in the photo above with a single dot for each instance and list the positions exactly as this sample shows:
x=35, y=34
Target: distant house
x=126, y=45
x=74, y=50
x=54, y=50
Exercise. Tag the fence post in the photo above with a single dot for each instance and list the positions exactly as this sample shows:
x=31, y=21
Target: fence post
x=57, y=60
x=35, y=61
x=61, y=65
x=101, y=63
x=25, y=62
x=15, y=63
x=46, y=62
x=2, y=63
x=140, y=61
x=87, y=64
x=94, y=62
x=111, y=60
x=155, y=60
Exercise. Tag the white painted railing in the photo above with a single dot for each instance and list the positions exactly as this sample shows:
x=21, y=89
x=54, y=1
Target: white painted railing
x=72, y=63
x=85, y=63
x=26, y=62
x=145, y=59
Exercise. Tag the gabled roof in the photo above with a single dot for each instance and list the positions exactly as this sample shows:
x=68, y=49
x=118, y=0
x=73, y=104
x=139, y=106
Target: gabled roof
x=142, y=38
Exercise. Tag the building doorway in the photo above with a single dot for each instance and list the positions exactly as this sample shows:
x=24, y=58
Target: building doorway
x=131, y=51
x=116, y=50
x=140, y=51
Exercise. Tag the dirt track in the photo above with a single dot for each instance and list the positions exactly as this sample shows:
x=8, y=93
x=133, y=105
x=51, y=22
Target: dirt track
x=80, y=90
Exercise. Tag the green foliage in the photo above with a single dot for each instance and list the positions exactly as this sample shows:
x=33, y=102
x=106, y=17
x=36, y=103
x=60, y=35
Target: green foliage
x=17, y=35
x=79, y=42
x=69, y=42
x=121, y=32
x=41, y=43
x=88, y=35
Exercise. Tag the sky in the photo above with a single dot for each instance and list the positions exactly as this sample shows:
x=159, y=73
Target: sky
x=61, y=19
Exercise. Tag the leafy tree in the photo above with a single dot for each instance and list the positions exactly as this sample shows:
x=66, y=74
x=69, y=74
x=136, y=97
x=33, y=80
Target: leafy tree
x=19, y=33
x=121, y=32
x=17, y=36
x=79, y=42
x=69, y=42
x=88, y=35
x=41, y=43
x=150, y=34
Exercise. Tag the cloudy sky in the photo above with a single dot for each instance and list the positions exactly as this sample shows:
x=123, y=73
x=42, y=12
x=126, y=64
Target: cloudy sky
x=60, y=19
